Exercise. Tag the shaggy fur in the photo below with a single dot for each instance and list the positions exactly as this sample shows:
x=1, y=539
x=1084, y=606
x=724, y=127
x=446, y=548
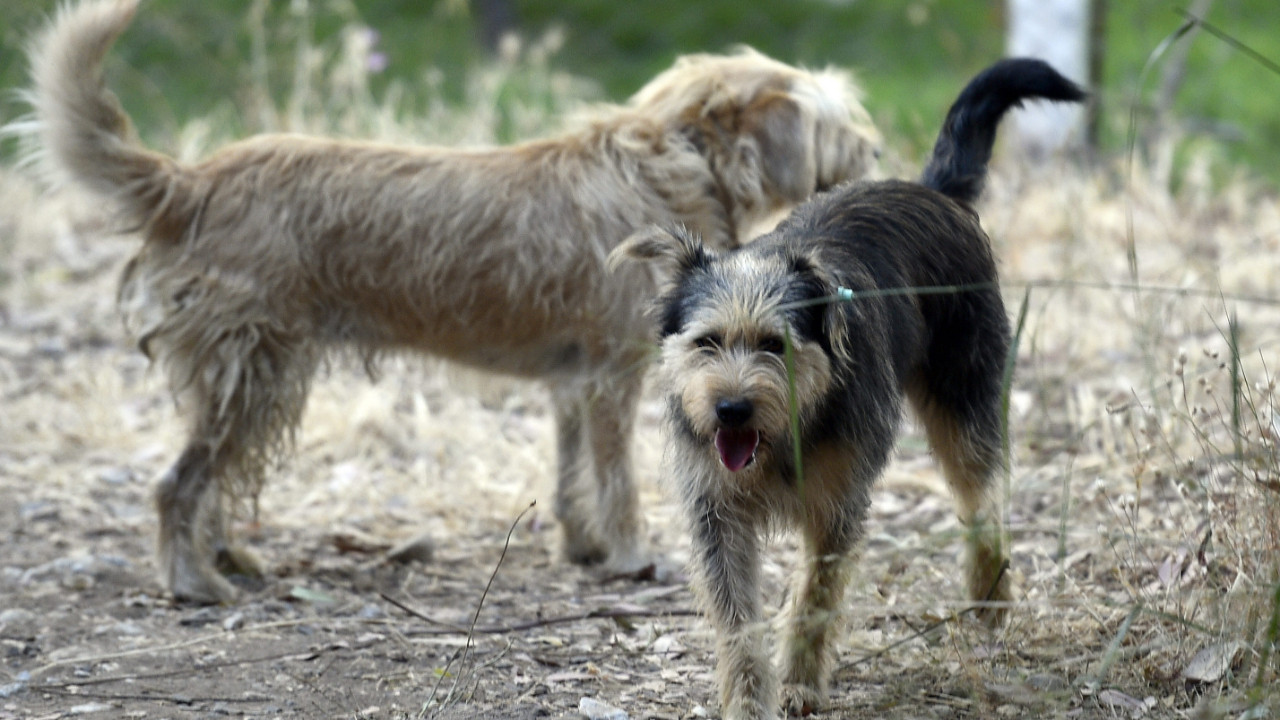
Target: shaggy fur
x=264, y=258
x=733, y=324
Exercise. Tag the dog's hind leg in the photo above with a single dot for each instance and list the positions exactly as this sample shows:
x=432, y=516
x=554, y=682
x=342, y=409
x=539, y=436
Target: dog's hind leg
x=184, y=497
x=245, y=393
x=958, y=402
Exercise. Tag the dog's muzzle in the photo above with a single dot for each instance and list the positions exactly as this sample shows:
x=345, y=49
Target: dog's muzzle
x=736, y=443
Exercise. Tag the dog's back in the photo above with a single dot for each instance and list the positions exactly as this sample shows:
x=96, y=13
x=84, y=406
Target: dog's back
x=950, y=333
x=949, y=336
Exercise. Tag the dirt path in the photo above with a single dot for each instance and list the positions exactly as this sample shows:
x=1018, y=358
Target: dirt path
x=1129, y=560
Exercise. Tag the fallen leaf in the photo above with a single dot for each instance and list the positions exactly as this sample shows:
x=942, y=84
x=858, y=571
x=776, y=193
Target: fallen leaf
x=568, y=676
x=1117, y=700
x=1212, y=663
x=352, y=542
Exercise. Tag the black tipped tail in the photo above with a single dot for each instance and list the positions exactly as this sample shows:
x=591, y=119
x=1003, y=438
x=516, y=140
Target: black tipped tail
x=958, y=167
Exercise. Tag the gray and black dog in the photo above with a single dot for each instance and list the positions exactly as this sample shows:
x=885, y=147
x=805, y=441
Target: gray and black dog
x=819, y=330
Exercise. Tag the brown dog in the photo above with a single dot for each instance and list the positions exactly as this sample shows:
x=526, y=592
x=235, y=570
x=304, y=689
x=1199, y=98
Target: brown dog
x=264, y=258
x=787, y=361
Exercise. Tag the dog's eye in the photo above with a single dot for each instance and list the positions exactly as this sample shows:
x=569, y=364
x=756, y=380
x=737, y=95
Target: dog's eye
x=772, y=345
x=707, y=342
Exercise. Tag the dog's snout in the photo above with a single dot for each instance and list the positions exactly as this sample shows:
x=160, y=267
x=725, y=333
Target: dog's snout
x=734, y=413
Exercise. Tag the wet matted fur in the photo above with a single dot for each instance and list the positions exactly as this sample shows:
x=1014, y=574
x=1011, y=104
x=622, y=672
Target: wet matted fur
x=262, y=259
x=834, y=293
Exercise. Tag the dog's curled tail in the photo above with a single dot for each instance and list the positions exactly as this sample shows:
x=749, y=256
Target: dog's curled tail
x=82, y=132
x=958, y=167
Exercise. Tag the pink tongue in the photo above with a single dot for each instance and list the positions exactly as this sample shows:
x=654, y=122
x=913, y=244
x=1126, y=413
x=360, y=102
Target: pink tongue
x=736, y=447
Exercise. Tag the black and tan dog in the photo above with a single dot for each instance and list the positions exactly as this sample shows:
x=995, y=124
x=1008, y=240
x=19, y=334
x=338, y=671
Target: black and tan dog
x=817, y=331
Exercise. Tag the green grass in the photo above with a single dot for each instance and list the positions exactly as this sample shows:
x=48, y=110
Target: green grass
x=190, y=58
x=911, y=57
x=911, y=70
x=1227, y=102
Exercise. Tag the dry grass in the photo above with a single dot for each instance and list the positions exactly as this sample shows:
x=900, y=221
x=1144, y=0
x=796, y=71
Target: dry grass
x=1147, y=492
x=1144, y=504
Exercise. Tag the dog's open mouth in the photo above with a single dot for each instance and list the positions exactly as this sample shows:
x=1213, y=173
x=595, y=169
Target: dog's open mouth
x=737, y=447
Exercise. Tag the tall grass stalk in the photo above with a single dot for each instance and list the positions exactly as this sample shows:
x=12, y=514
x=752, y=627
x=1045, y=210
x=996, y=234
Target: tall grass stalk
x=1233, y=346
x=1006, y=391
x=1269, y=644
x=1147, y=333
x=1112, y=653
x=793, y=407
x=450, y=697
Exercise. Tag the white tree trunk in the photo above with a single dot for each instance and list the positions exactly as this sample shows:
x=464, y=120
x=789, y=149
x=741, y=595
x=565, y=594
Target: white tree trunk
x=1056, y=31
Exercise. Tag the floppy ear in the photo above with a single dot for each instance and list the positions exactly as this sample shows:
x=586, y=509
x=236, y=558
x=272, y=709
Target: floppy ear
x=671, y=251
x=828, y=321
x=777, y=126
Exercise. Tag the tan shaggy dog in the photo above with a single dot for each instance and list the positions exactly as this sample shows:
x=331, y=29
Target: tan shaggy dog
x=275, y=251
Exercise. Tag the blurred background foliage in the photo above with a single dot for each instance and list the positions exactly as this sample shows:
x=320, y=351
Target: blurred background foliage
x=190, y=58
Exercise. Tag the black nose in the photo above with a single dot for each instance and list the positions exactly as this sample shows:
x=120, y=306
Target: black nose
x=734, y=413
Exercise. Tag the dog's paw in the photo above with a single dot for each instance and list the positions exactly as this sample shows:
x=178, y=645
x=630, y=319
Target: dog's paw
x=189, y=577
x=201, y=588
x=745, y=708
x=991, y=585
x=992, y=617
x=662, y=570
x=640, y=566
x=238, y=560
x=585, y=554
x=800, y=700
x=656, y=570
x=581, y=547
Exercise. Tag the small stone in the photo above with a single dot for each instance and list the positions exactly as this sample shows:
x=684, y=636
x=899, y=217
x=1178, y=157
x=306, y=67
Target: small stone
x=201, y=617
x=87, y=708
x=116, y=476
x=7, y=691
x=593, y=709
x=14, y=616
x=127, y=628
x=364, y=640
x=53, y=348
x=1048, y=682
x=38, y=511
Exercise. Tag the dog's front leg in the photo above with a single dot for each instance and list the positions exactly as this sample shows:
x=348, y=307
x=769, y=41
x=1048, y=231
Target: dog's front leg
x=596, y=501
x=726, y=552
x=611, y=412
x=814, y=620
x=575, y=503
